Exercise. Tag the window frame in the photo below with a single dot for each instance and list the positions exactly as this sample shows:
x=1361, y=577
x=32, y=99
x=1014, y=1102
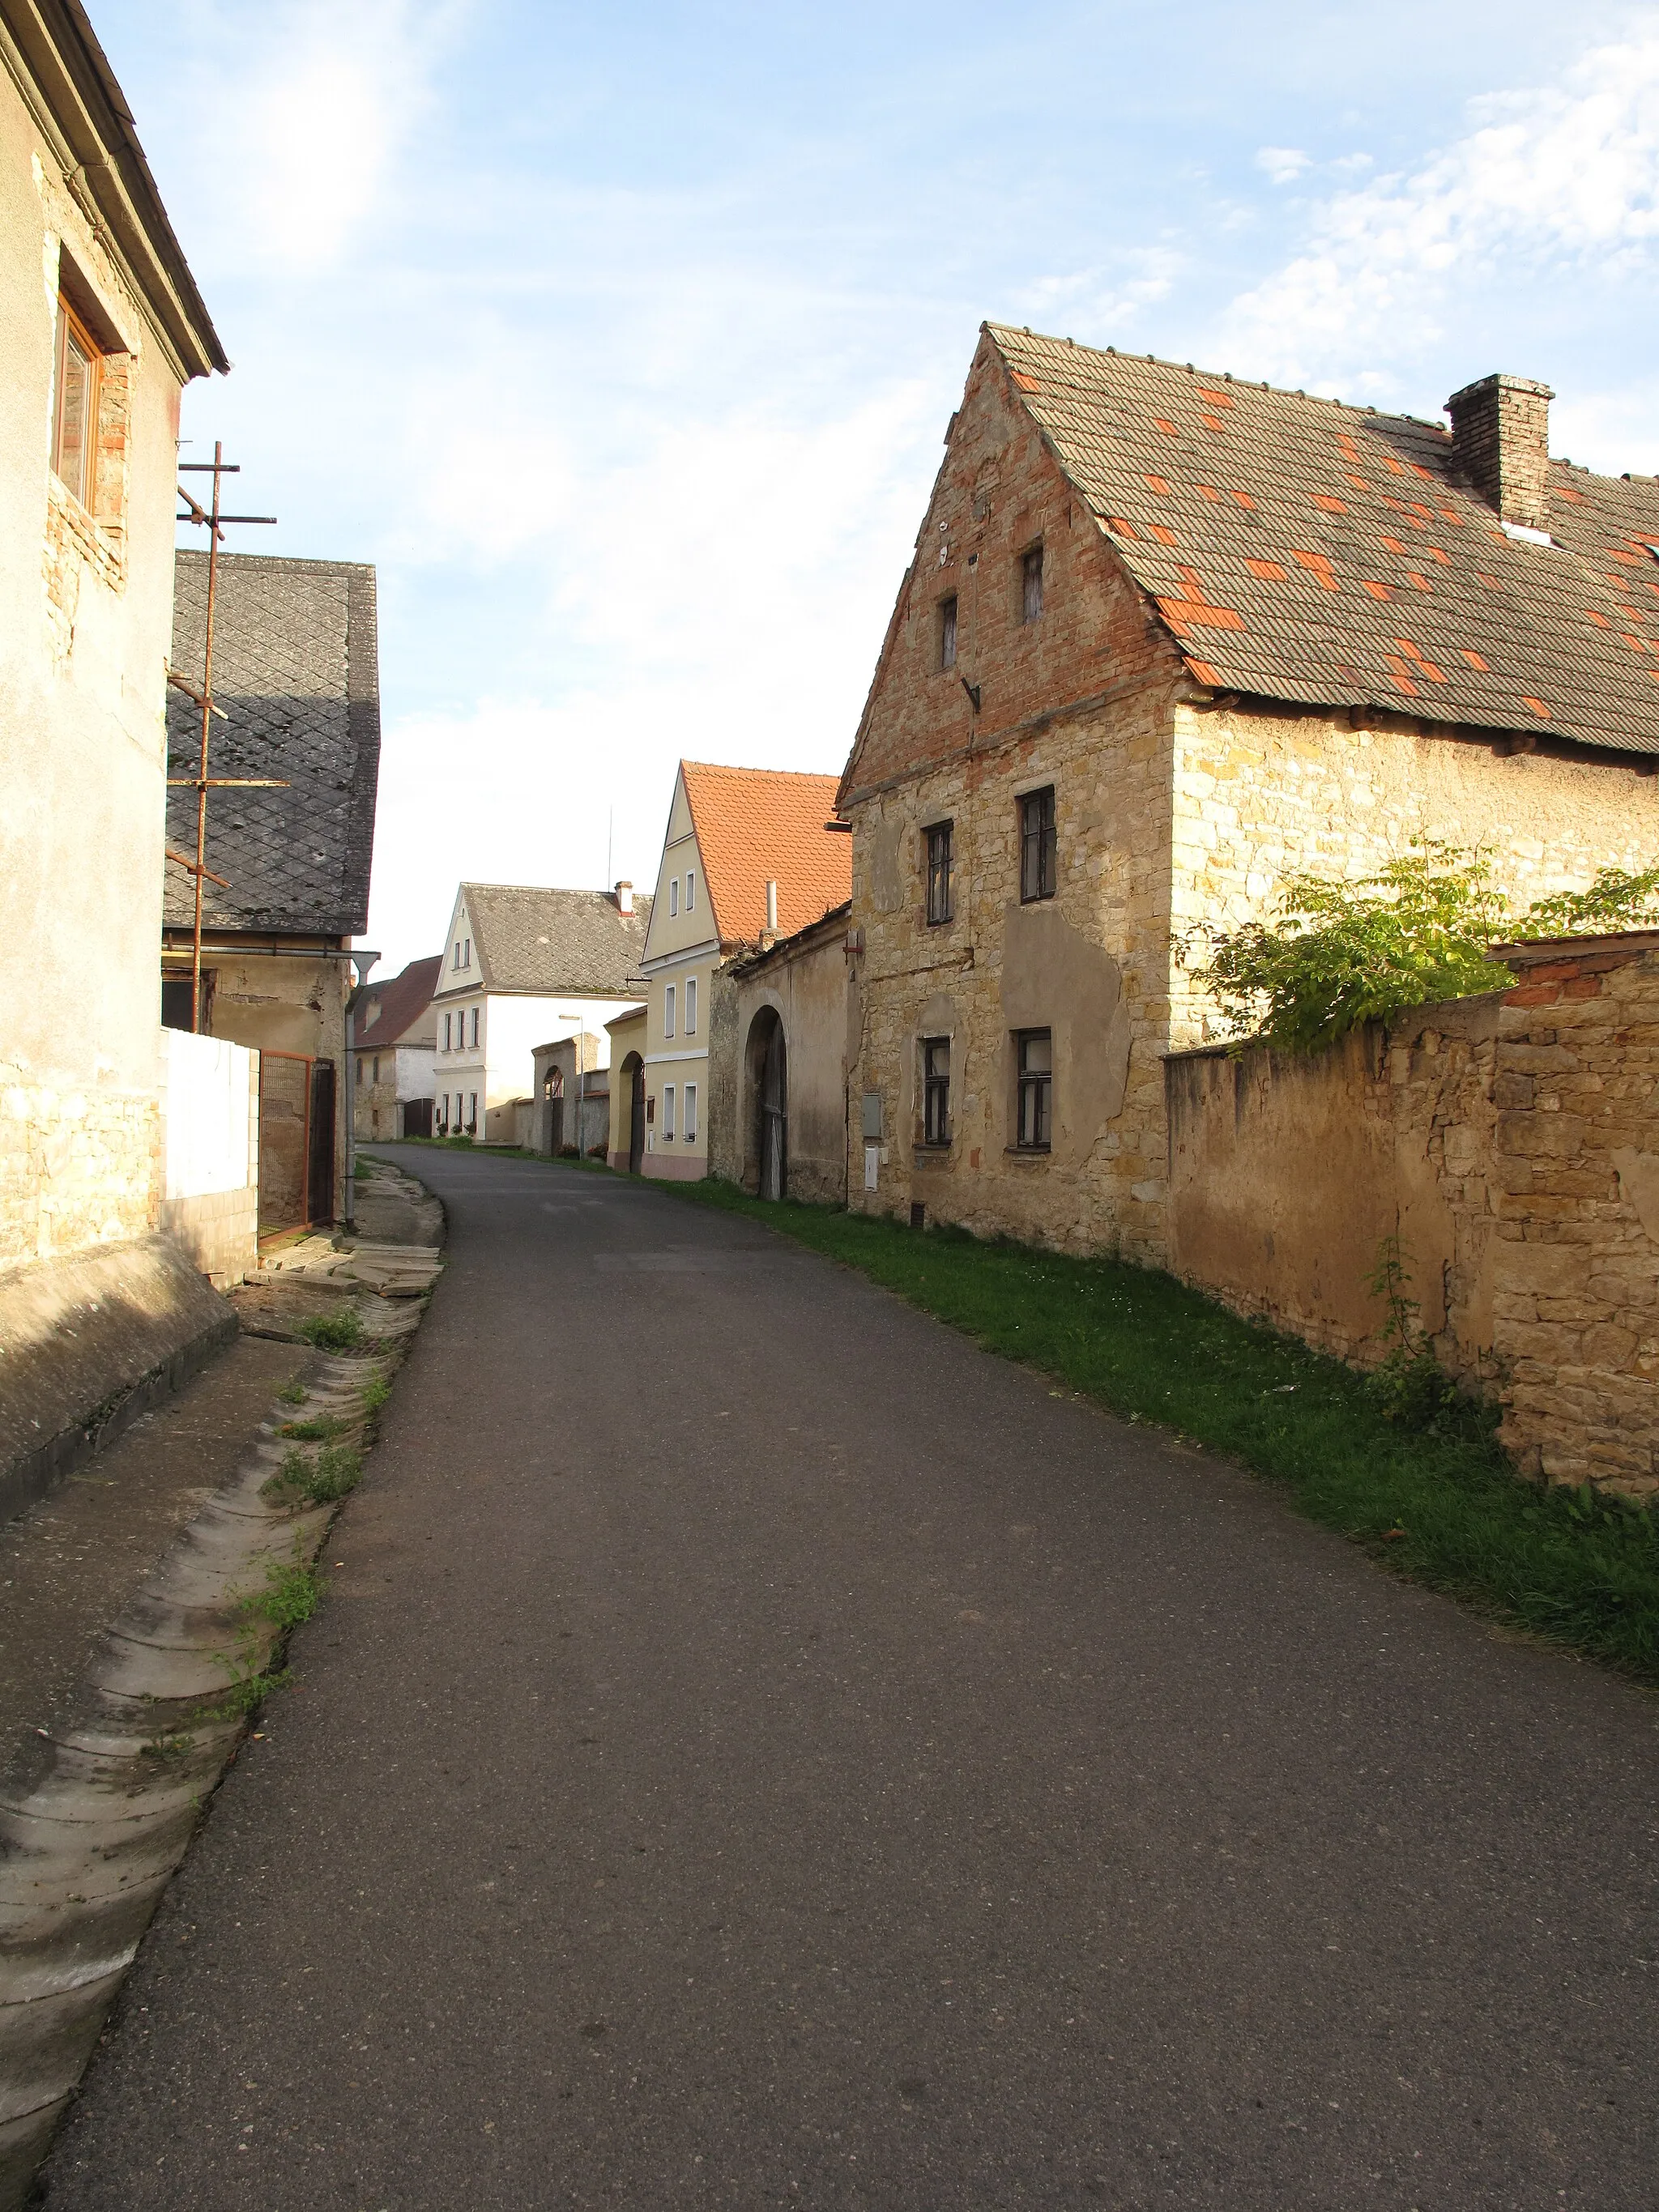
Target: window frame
x=941, y=877
x=691, y=889
x=947, y=632
x=448, y=1047
x=1039, y=853
x=936, y=1130
x=673, y=898
x=667, y=1128
x=667, y=1010
x=1030, y=571
x=689, y=1114
x=69, y=323
x=475, y=1010
x=689, y=1008
x=1036, y=1086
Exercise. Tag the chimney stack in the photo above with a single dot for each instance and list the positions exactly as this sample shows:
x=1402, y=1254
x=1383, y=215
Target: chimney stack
x=1501, y=443
x=771, y=906
x=625, y=897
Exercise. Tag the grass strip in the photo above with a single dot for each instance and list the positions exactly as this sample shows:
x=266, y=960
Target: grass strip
x=1440, y=1505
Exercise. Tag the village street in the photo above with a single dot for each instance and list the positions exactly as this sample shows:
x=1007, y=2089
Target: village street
x=759, y=1750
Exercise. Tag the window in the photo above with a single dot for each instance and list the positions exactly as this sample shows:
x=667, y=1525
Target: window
x=668, y=1112
x=673, y=895
x=690, y=1130
x=941, y=874
x=74, y=418
x=690, y=889
x=455, y=956
x=1033, y=1112
x=668, y=1011
x=472, y=1116
x=467, y=962
x=377, y=1068
x=936, y=1090
x=359, y=1070
x=475, y=1025
x=947, y=632
x=1036, y=845
x=690, y=1013
x=1030, y=584
x=447, y=1022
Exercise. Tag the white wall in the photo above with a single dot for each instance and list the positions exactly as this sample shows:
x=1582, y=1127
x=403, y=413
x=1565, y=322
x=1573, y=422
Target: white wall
x=210, y=1152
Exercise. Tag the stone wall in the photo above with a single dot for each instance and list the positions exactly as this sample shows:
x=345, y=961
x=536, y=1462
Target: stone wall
x=807, y=984
x=1512, y=1143
x=78, y=1168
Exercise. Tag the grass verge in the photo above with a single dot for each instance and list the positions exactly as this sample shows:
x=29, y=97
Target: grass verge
x=1440, y=1505
x=333, y=1474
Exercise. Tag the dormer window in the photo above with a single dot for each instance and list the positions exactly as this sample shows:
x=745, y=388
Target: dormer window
x=74, y=415
x=1030, y=584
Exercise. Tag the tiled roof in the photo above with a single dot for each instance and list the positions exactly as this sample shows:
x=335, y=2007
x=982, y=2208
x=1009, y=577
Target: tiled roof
x=402, y=1001
x=1309, y=551
x=761, y=825
x=548, y=942
x=295, y=670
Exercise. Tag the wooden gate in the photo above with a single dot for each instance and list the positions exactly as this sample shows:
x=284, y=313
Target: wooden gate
x=296, y=1140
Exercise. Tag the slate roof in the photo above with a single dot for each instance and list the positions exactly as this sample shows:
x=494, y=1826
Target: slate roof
x=403, y=999
x=1309, y=551
x=294, y=669
x=551, y=943
x=761, y=825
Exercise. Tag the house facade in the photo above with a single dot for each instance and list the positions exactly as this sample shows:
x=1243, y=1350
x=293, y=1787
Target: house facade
x=783, y=1034
x=101, y=327
x=570, y=1110
x=296, y=677
x=522, y=963
x=394, y=1048
x=749, y=855
x=1166, y=639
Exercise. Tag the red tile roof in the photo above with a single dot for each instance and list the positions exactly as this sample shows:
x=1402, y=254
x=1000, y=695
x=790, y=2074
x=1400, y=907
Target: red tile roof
x=402, y=1001
x=1346, y=565
x=757, y=825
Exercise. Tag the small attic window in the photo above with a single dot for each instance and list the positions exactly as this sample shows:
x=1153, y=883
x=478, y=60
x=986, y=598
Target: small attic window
x=74, y=414
x=1030, y=584
x=673, y=895
x=947, y=632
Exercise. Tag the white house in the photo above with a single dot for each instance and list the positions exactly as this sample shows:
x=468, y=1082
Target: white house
x=521, y=965
x=395, y=1041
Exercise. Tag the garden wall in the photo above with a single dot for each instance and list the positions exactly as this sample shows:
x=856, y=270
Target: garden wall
x=1511, y=1141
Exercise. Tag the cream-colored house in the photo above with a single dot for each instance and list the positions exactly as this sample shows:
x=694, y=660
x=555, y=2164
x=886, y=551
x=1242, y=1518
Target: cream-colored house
x=522, y=963
x=751, y=855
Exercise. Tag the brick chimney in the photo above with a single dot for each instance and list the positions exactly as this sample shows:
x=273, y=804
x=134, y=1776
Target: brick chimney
x=1501, y=444
x=624, y=898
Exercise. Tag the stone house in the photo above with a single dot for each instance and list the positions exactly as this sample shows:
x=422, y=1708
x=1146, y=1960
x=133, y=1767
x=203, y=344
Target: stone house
x=522, y=963
x=102, y=1308
x=394, y=1046
x=751, y=855
x=296, y=674
x=783, y=1030
x=102, y=326
x=1167, y=638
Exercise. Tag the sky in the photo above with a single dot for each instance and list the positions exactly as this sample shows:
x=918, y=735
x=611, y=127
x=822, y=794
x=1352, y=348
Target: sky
x=621, y=340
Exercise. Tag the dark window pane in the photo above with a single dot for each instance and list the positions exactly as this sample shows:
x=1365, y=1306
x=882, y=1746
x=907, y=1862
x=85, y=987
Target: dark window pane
x=936, y=1090
x=1037, y=845
x=1034, y=1097
x=1030, y=584
x=947, y=632
x=941, y=882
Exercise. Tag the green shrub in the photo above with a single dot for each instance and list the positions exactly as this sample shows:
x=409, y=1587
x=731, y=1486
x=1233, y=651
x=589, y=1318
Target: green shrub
x=340, y=1331
x=336, y=1471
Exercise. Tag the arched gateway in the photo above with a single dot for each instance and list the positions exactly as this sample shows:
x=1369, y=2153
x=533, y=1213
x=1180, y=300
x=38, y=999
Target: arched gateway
x=769, y=1072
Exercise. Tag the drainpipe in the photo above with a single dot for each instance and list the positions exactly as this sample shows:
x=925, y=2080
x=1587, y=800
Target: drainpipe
x=364, y=962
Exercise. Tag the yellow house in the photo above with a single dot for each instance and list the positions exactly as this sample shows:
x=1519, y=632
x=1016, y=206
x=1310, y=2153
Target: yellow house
x=751, y=855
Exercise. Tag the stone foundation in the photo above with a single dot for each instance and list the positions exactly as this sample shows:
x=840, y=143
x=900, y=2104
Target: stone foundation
x=78, y=1168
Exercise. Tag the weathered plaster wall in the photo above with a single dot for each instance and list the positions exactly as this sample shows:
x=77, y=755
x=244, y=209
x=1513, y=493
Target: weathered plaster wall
x=1259, y=796
x=83, y=656
x=809, y=986
x=1513, y=1140
x=286, y=1003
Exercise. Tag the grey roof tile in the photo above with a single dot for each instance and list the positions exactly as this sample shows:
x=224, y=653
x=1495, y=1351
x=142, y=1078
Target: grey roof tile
x=534, y=939
x=296, y=672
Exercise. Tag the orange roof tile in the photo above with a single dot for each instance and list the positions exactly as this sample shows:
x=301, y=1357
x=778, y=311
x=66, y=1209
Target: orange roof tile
x=761, y=825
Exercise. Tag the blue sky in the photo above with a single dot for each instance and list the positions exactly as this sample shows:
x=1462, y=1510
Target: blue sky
x=621, y=339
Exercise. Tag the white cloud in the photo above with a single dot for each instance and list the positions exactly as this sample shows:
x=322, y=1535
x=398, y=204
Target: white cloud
x=1554, y=175
x=1099, y=304
x=1282, y=165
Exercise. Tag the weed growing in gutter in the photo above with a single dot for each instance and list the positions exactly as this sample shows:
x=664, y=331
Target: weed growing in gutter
x=334, y=1332
x=291, y=1593
x=333, y=1474
x=318, y=1432
x=1441, y=1504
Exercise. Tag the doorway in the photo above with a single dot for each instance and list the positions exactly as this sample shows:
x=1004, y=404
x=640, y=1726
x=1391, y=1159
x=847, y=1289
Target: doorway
x=637, y=1116
x=771, y=1105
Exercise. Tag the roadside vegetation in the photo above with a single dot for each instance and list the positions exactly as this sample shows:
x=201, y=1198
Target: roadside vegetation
x=1399, y=1461
x=1331, y=955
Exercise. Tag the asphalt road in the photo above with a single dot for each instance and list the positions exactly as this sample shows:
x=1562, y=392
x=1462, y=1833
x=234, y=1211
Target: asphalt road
x=759, y=1750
